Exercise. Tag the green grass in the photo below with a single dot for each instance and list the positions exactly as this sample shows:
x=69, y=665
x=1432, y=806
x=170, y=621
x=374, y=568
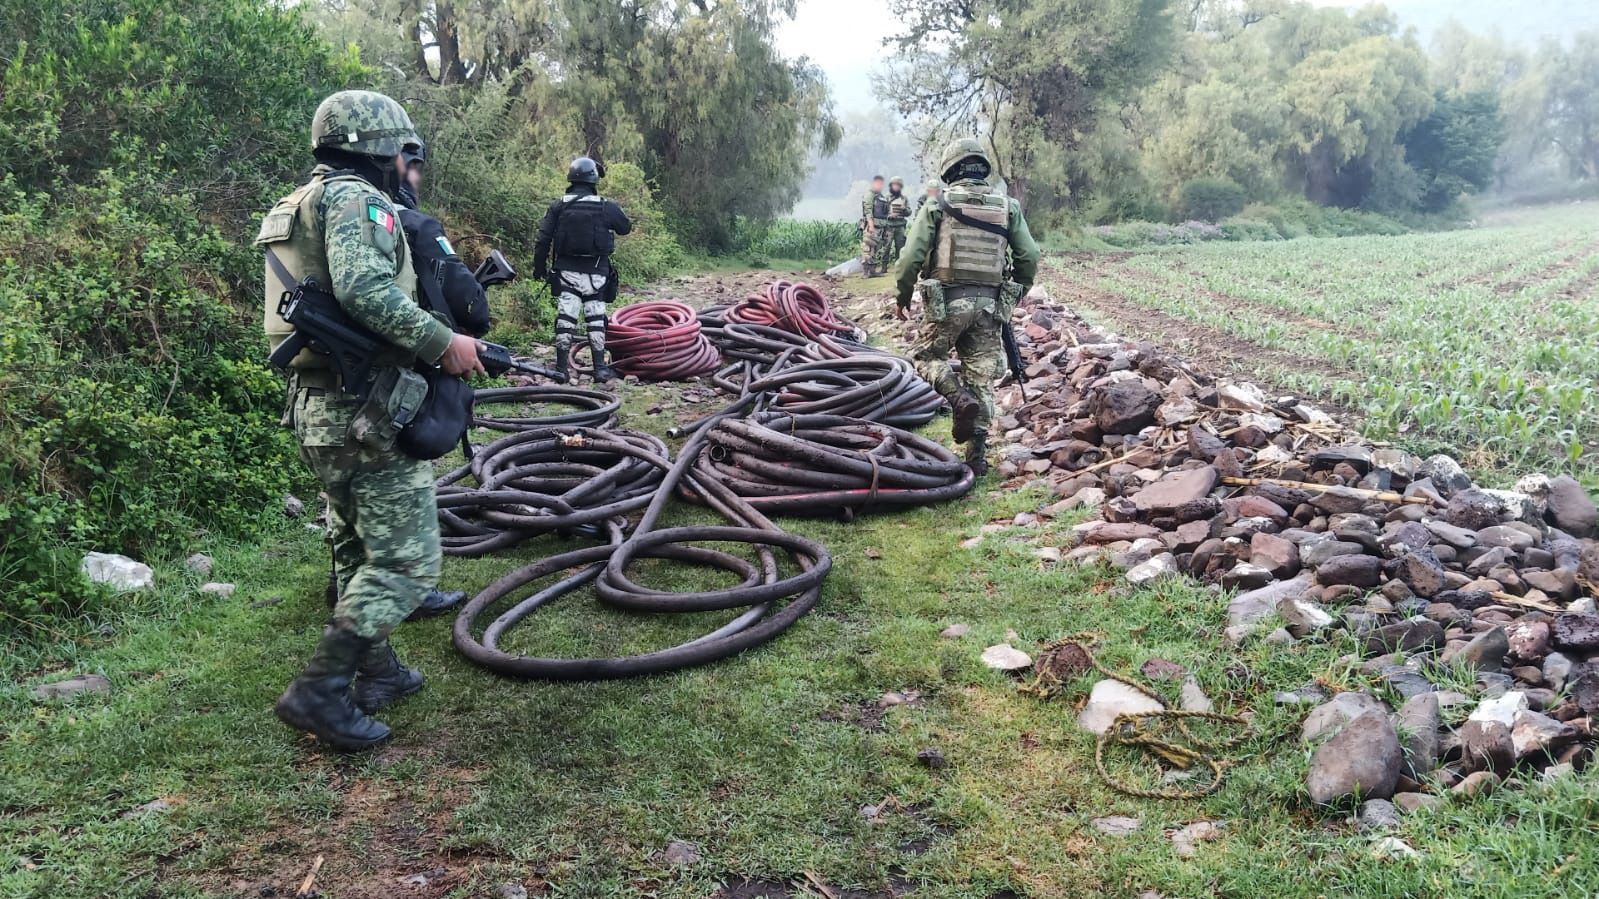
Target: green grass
x=1477, y=342
x=764, y=761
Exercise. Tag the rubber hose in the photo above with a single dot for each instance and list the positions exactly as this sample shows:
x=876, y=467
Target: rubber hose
x=547, y=480
x=799, y=308
x=594, y=408
x=660, y=341
x=827, y=464
x=762, y=585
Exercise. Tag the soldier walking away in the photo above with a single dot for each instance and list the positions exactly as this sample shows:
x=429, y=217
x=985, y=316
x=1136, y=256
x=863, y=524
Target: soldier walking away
x=891, y=233
x=573, y=252
x=972, y=258
x=931, y=192
x=338, y=233
x=870, y=204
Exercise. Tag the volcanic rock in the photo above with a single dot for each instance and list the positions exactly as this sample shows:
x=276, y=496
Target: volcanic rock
x=1405, y=636
x=1328, y=718
x=1362, y=759
x=1420, y=570
x=1273, y=553
x=1124, y=408
x=1579, y=633
x=1418, y=721
x=1486, y=651
x=1569, y=507
x=1355, y=570
x=1176, y=489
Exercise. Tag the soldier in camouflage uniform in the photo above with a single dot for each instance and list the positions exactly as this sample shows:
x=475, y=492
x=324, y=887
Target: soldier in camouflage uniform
x=930, y=194
x=870, y=202
x=341, y=230
x=891, y=228
x=972, y=257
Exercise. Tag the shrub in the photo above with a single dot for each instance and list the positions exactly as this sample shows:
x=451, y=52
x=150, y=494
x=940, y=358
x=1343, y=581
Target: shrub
x=794, y=240
x=1210, y=199
x=1241, y=229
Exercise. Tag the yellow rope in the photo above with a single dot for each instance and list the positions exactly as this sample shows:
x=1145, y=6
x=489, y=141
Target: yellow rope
x=1140, y=730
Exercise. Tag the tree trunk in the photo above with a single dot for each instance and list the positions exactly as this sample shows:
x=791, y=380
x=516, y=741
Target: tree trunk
x=447, y=32
x=411, y=21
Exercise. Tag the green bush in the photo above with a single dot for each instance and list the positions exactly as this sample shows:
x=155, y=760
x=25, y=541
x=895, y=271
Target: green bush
x=1210, y=199
x=1242, y=229
x=794, y=240
x=139, y=151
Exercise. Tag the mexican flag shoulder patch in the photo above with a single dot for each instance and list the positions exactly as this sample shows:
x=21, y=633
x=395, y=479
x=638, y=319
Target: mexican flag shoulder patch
x=379, y=215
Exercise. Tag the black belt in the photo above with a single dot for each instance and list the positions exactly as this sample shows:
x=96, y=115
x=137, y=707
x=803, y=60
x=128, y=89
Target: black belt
x=962, y=291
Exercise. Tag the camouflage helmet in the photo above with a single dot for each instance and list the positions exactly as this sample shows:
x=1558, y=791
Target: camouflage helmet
x=933, y=184
x=959, y=150
x=896, y=180
x=364, y=122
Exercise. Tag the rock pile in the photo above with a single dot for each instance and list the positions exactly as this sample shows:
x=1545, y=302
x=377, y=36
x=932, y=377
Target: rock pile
x=1318, y=529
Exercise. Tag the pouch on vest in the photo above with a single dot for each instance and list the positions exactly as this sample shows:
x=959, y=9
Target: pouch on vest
x=392, y=403
x=933, y=306
x=443, y=418
x=972, y=253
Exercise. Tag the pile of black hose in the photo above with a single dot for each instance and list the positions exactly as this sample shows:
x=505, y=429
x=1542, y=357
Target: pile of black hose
x=770, y=599
x=825, y=375
x=820, y=464
x=592, y=408
x=547, y=480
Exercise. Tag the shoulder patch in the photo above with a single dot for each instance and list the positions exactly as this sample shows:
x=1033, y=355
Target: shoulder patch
x=444, y=244
x=379, y=215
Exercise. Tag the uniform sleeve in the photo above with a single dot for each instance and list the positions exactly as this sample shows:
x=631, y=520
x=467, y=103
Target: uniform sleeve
x=918, y=243
x=469, y=306
x=1023, y=249
x=363, y=238
x=541, y=245
x=616, y=219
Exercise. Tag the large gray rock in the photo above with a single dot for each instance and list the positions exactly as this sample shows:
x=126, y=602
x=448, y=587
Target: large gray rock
x=1176, y=489
x=1354, y=570
x=1317, y=551
x=1361, y=760
x=1330, y=717
x=72, y=686
x=1418, y=721
x=1579, y=633
x=120, y=573
x=1485, y=738
x=1110, y=698
x=1445, y=473
x=1405, y=636
x=1421, y=571
x=1533, y=733
x=1246, y=610
x=1303, y=617
x=1126, y=407
x=1569, y=507
x=1474, y=509
x=1486, y=651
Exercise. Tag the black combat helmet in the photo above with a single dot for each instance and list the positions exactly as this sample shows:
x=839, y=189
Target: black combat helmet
x=584, y=170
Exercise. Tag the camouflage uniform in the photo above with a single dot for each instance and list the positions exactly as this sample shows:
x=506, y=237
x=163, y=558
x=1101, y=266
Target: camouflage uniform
x=965, y=321
x=869, y=234
x=891, y=228
x=344, y=233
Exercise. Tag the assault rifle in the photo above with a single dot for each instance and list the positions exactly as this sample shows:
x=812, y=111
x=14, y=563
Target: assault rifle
x=322, y=326
x=1013, y=358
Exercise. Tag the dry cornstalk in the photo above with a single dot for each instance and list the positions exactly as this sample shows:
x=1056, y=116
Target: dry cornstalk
x=1385, y=496
x=308, y=885
x=1524, y=602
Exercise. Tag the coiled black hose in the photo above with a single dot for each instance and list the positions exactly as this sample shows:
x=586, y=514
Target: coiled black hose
x=546, y=480
x=762, y=585
x=826, y=464
x=594, y=408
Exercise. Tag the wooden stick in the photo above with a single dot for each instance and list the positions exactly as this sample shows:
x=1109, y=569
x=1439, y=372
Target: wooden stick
x=1385, y=496
x=1524, y=602
x=307, y=885
x=821, y=884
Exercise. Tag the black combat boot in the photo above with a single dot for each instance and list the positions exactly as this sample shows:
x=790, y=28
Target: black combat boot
x=602, y=372
x=563, y=362
x=966, y=408
x=977, y=455
x=382, y=679
x=436, y=602
x=319, y=699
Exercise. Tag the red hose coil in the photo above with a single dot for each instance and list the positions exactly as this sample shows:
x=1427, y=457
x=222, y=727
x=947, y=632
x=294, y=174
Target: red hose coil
x=793, y=307
x=660, y=341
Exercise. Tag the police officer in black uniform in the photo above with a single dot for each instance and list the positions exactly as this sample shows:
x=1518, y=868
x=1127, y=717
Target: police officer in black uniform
x=573, y=252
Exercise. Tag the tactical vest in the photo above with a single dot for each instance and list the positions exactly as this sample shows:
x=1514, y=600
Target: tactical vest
x=581, y=229
x=963, y=254
x=879, y=207
x=294, y=231
x=899, y=207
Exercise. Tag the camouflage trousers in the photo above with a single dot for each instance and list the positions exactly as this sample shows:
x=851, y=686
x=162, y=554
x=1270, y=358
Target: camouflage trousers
x=383, y=517
x=973, y=332
x=868, y=246
x=890, y=241
x=581, y=295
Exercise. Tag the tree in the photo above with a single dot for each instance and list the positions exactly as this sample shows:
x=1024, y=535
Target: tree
x=1570, y=95
x=1454, y=149
x=1037, y=76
